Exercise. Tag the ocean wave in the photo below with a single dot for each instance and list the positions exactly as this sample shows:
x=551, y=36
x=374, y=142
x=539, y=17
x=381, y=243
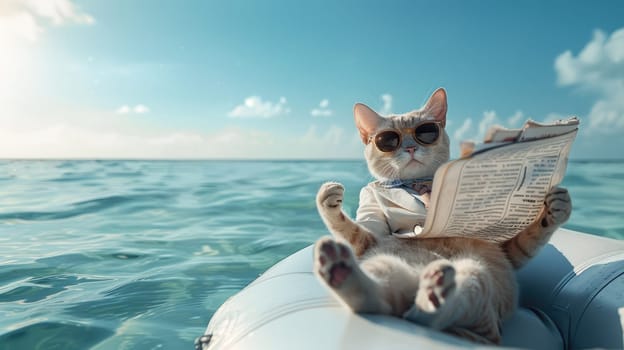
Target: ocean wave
x=140, y=254
x=66, y=335
x=90, y=206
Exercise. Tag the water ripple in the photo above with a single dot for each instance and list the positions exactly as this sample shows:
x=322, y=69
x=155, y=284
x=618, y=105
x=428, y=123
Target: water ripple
x=140, y=254
x=88, y=207
x=54, y=335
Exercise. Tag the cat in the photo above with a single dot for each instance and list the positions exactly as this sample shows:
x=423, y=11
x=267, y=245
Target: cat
x=461, y=286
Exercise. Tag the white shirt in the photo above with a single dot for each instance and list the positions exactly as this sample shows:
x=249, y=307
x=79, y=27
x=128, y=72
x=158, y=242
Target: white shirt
x=397, y=211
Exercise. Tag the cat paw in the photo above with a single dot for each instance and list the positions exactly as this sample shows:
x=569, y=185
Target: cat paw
x=330, y=196
x=334, y=261
x=558, y=206
x=437, y=283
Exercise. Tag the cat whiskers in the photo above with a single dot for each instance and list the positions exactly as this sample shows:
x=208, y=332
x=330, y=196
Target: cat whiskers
x=440, y=158
x=391, y=169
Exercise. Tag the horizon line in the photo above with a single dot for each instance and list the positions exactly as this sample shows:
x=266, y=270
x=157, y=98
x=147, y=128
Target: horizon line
x=147, y=159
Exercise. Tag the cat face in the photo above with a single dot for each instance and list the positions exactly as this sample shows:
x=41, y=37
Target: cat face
x=413, y=157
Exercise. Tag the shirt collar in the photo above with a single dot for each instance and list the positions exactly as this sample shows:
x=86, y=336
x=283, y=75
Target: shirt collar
x=409, y=183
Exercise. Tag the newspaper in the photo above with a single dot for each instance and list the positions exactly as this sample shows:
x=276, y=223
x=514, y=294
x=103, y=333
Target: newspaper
x=498, y=188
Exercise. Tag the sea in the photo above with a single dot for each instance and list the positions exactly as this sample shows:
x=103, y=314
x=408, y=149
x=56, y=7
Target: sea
x=110, y=254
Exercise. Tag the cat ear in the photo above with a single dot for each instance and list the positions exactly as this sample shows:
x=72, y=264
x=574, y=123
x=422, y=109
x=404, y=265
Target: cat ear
x=436, y=106
x=366, y=120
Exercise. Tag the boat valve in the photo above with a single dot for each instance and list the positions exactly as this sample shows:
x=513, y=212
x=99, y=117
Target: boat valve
x=202, y=341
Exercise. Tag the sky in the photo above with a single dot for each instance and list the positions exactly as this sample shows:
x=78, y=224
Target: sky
x=278, y=79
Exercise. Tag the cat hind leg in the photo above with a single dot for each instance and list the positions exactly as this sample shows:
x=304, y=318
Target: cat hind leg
x=437, y=283
x=336, y=265
x=455, y=295
x=334, y=262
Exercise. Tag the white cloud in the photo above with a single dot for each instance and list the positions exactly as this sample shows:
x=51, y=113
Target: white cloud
x=18, y=26
x=515, y=120
x=255, y=107
x=51, y=130
x=462, y=131
x=331, y=142
x=317, y=112
x=598, y=69
x=322, y=110
x=489, y=119
x=26, y=19
x=113, y=136
x=59, y=11
x=60, y=140
x=22, y=24
x=138, y=109
x=387, y=104
x=607, y=113
x=467, y=131
x=333, y=136
x=123, y=110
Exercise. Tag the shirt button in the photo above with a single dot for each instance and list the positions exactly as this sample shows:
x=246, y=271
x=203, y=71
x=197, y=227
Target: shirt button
x=418, y=229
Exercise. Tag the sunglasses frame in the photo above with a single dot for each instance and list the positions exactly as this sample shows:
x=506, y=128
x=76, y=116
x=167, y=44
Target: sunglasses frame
x=410, y=131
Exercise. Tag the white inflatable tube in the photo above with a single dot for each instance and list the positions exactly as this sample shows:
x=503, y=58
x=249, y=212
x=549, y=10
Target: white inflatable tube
x=572, y=295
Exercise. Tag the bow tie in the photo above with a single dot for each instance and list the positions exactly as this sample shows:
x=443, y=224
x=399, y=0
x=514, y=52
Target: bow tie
x=421, y=186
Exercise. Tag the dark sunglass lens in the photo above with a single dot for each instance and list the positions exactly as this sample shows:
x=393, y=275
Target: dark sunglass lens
x=427, y=133
x=387, y=141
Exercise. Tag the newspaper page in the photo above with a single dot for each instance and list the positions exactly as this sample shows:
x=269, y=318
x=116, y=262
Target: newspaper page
x=496, y=192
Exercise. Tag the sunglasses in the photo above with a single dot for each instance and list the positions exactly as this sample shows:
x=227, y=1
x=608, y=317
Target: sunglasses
x=389, y=140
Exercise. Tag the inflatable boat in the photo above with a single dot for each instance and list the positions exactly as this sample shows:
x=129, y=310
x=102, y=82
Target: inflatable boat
x=571, y=297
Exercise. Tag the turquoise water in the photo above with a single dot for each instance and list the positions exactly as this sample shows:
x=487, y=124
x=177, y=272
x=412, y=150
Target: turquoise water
x=140, y=254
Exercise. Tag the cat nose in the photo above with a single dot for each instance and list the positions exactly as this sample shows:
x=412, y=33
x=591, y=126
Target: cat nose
x=410, y=150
